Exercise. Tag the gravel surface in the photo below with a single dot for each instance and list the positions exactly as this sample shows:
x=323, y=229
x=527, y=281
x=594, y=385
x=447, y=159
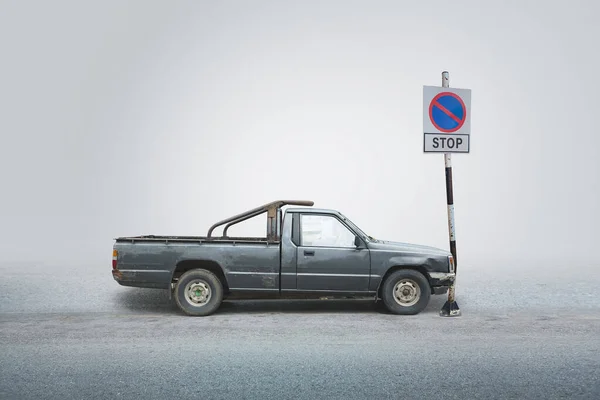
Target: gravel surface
x=82, y=336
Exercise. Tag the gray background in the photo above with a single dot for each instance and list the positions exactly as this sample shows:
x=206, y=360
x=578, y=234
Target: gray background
x=139, y=117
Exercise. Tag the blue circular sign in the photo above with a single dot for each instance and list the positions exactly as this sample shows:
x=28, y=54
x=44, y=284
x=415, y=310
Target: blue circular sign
x=447, y=112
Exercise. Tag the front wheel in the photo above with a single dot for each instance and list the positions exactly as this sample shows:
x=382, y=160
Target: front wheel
x=406, y=292
x=198, y=292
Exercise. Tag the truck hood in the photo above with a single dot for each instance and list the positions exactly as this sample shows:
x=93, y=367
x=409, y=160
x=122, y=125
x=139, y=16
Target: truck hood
x=408, y=247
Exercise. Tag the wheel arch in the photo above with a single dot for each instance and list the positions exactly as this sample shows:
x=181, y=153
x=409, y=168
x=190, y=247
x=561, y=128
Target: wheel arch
x=210, y=265
x=394, y=268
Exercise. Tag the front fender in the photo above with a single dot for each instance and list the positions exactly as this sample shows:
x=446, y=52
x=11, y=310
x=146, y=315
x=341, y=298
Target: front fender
x=426, y=264
x=408, y=261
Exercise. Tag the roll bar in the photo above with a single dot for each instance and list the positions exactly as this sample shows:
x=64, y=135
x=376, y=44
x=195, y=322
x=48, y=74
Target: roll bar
x=271, y=210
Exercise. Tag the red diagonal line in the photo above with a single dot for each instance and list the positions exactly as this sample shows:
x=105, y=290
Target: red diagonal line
x=448, y=112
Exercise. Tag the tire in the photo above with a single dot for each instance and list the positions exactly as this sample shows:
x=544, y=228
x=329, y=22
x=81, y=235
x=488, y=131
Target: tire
x=207, y=297
x=416, y=294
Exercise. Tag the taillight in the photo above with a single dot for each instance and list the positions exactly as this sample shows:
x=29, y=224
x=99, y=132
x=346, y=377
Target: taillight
x=114, y=259
x=451, y=264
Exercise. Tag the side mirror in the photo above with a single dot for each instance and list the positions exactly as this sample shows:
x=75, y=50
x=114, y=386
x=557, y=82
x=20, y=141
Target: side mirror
x=357, y=242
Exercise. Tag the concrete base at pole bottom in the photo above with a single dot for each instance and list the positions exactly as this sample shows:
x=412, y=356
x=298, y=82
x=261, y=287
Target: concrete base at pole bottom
x=450, y=309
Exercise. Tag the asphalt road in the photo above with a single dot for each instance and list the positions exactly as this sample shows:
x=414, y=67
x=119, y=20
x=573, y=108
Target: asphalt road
x=79, y=335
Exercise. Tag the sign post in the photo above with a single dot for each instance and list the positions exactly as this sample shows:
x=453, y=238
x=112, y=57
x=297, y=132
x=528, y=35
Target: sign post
x=447, y=129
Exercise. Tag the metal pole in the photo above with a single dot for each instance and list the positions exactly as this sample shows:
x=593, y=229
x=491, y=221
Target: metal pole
x=450, y=308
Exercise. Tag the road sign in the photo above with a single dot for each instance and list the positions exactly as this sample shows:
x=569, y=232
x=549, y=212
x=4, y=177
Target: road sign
x=446, y=143
x=446, y=120
x=447, y=129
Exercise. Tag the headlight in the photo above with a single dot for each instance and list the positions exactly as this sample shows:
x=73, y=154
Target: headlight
x=451, y=264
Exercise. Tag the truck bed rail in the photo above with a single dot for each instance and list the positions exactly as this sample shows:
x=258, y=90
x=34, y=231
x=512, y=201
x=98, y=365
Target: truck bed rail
x=269, y=208
x=192, y=239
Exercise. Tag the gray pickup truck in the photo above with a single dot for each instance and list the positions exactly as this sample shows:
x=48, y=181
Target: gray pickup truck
x=306, y=253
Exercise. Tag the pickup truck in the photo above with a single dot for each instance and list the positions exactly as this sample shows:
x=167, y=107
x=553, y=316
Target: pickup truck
x=307, y=253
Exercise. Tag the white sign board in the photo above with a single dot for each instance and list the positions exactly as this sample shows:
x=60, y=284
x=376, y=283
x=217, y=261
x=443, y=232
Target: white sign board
x=446, y=120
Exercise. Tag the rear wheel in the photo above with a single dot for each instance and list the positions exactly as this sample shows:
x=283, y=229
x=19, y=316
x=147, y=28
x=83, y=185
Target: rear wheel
x=406, y=292
x=198, y=292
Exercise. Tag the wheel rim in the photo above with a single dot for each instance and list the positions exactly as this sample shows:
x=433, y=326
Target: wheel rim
x=407, y=293
x=197, y=293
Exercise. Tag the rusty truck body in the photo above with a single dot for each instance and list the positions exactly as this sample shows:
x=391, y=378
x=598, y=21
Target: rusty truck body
x=306, y=253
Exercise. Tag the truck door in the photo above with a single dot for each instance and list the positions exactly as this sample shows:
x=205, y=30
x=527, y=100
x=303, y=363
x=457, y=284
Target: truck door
x=327, y=257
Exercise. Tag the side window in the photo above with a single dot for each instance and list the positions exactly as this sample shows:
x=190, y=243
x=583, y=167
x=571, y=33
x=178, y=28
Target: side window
x=324, y=231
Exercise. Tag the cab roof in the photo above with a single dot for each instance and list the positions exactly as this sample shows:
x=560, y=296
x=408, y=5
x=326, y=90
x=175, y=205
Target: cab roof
x=312, y=210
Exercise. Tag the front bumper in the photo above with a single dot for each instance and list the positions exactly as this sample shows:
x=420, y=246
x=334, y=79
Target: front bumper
x=441, y=281
x=444, y=279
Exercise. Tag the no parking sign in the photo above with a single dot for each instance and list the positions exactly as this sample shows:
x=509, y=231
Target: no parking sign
x=446, y=120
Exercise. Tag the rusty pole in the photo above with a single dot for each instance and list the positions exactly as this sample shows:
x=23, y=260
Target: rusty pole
x=450, y=307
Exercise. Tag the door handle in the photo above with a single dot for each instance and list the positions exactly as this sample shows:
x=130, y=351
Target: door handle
x=309, y=252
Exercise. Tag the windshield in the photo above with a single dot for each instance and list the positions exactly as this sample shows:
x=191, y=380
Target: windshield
x=357, y=229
